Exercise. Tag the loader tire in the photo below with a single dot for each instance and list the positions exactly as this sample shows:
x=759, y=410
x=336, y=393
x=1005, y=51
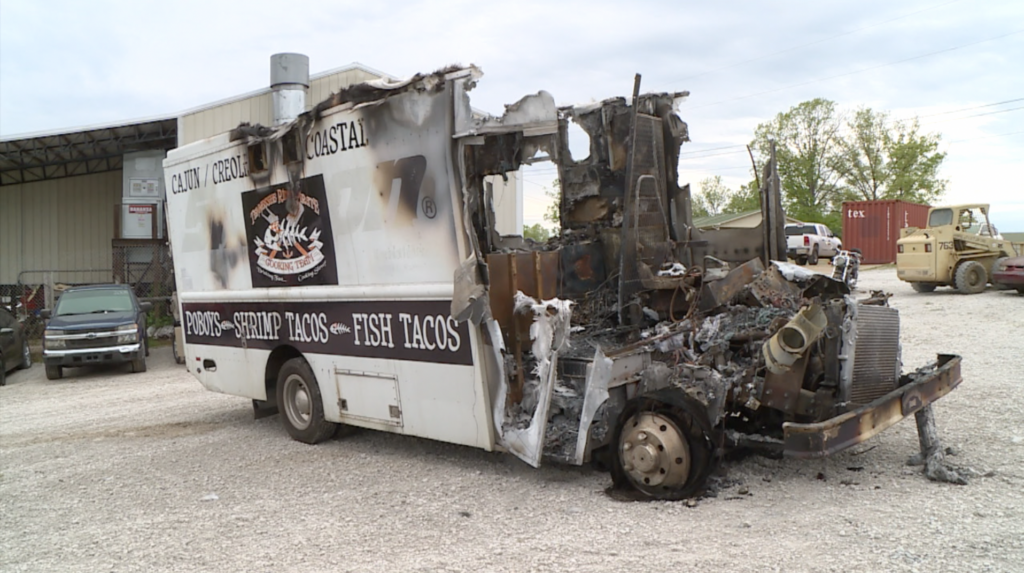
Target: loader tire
x=971, y=277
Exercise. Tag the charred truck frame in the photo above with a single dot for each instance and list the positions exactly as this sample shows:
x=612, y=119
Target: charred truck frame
x=344, y=269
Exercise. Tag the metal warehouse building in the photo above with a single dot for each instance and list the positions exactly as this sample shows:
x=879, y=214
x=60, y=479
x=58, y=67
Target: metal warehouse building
x=85, y=205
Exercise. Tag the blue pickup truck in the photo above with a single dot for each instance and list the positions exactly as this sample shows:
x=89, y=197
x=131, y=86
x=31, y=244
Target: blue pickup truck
x=97, y=324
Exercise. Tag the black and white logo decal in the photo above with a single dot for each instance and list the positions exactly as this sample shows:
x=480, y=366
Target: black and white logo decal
x=290, y=243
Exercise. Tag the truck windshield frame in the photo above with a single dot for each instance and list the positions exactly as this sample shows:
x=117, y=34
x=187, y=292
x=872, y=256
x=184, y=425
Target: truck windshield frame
x=940, y=218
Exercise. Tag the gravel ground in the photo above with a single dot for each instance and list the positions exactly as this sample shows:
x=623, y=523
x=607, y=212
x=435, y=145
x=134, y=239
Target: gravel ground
x=149, y=472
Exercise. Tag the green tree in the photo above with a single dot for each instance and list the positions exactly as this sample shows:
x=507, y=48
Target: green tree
x=537, y=232
x=712, y=198
x=884, y=159
x=553, y=213
x=808, y=145
x=747, y=198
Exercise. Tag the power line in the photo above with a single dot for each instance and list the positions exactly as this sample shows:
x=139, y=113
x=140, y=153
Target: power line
x=711, y=149
x=987, y=137
x=790, y=49
x=961, y=46
x=715, y=154
x=970, y=108
x=975, y=115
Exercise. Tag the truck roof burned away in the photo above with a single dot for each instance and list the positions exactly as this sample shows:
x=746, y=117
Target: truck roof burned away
x=631, y=332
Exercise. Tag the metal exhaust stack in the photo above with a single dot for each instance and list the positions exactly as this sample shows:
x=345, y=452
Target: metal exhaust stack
x=289, y=78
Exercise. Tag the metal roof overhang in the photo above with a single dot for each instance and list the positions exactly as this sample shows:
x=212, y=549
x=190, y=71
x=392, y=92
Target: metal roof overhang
x=42, y=157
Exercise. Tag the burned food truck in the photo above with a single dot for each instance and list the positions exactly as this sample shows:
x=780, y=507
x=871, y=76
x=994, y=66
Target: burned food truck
x=345, y=269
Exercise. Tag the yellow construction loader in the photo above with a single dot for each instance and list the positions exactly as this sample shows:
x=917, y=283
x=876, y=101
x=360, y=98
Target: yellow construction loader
x=958, y=248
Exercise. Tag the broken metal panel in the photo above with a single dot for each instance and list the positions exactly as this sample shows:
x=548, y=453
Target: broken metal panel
x=522, y=424
x=916, y=391
x=725, y=291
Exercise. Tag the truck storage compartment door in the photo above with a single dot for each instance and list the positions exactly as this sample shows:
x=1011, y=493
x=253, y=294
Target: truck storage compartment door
x=369, y=397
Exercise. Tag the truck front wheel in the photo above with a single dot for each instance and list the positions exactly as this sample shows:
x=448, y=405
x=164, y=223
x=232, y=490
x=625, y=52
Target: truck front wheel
x=300, y=403
x=661, y=450
x=971, y=277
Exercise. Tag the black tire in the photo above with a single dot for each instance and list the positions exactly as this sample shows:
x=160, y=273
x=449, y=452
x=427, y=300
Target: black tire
x=54, y=372
x=139, y=364
x=1020, y=290
x=801, y=261
x=145, y=344
x=300, y=403
x=3, y=372
x=813, y=259
x=971, y=277
x=26, y=355
x=923, y=287
x=690, y=418
x=178, y=359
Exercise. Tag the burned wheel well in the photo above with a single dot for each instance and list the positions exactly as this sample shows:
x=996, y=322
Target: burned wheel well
x=278, y=357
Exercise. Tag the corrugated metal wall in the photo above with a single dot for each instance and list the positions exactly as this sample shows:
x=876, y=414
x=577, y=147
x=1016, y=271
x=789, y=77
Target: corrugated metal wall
x=320, y=88
x=259, y=108
x=209, y=122
x=874, y=226
x=63, y=224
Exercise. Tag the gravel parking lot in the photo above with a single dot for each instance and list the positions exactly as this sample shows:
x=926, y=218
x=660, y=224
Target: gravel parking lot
x=113, y=471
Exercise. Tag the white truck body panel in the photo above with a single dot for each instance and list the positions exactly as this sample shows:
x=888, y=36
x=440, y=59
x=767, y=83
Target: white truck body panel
x=359, y=281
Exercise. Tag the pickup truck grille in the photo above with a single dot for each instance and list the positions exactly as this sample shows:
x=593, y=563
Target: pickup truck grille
x=103, y=338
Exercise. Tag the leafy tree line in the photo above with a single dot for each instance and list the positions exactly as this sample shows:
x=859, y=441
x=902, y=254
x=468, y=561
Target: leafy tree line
x=826, y=157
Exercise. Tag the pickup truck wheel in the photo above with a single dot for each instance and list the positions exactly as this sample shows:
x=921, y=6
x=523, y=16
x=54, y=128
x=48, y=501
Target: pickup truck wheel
x=26, y=355
x=923, y=287
x=54, y=372
x=1020, y=290
x=139, y=364
x=661, y=450
x=300, y=403
x=971, y=277
x=813, y=259
x=3, y=372
x=801, y=261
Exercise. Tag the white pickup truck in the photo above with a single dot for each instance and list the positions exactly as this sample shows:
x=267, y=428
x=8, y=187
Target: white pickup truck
x=806, y=242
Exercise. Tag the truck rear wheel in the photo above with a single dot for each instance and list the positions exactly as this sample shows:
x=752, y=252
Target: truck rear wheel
x=813, y=259
x=923, y=287
x=662, y=450
x=971, y=277
x=300, y=403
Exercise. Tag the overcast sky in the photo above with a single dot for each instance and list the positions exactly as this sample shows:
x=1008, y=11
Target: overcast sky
x=958, y=65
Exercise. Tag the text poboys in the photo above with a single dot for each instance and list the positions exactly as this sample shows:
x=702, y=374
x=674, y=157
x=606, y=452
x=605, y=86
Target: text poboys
x=421, y=330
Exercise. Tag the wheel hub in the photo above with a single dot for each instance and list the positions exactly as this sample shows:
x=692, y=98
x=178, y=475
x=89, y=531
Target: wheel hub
x=297, y=403
x=654, y=453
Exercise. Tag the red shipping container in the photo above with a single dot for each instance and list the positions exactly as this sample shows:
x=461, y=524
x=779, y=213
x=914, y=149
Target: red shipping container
x=874, y=227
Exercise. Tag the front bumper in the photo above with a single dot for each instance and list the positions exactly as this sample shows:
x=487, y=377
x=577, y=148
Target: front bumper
x=856, y=426
x=87, y=356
